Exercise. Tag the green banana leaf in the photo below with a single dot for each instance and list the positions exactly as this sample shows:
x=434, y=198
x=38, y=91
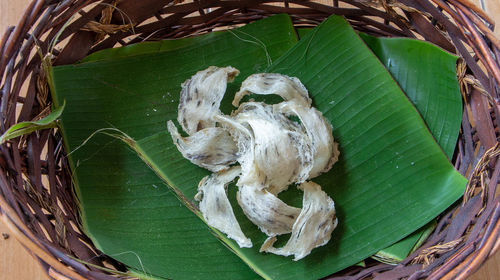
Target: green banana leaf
x=391, y=179
x=437, y=99
x=126, y=209
x=410, y=62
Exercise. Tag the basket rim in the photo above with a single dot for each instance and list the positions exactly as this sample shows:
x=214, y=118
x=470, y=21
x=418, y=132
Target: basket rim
x=475, y=30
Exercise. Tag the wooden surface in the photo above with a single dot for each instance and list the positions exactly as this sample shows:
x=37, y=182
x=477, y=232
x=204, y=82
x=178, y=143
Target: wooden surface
x=17, y=263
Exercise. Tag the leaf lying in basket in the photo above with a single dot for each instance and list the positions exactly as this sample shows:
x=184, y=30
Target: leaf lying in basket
x=23, y=128
x=401, y=249
x=391, y=179
x=427, y=75
x=126, y=209
x=378, y=130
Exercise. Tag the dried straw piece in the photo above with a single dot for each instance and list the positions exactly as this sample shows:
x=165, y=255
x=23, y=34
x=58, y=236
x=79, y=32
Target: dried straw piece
x=427, y=256
x=456, y=25
x=103, y=29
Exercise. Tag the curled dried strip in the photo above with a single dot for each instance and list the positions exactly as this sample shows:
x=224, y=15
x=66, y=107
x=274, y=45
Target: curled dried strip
x=281, y=149
x=249, y=111
x=289, y=88
x=244, y=138
x=212, y=148
x=319, y=131
x=265, y=210
x=313, y=227
x=216, y=208
x=201, y=96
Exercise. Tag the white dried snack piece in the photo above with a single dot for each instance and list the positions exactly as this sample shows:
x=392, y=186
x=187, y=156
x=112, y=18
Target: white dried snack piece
x=212, y=148
x=281, y=149
x=273, y=151
x=319, y=131
x=249, y=111
x=201, y=96
x=313, y=227
x=216, y=208
x=243, y=136
x=265, y=210
x=289, y=88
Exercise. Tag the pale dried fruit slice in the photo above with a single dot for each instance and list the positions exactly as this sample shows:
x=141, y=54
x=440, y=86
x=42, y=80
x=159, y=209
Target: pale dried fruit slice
x=212, y=148
x=281, y=151
x=313, y=227
x=289, y=88
x=216, y=208
x=319, y=131
x=269, y=213
x=201, y=96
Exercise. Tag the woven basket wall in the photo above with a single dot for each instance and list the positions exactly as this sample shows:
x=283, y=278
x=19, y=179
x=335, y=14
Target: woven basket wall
x=36, y=193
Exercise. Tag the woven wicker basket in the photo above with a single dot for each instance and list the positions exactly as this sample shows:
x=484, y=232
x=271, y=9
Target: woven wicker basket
x=36, y=198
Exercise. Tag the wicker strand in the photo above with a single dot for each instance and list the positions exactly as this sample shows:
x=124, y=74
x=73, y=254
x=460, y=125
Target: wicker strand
x=478, y=175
